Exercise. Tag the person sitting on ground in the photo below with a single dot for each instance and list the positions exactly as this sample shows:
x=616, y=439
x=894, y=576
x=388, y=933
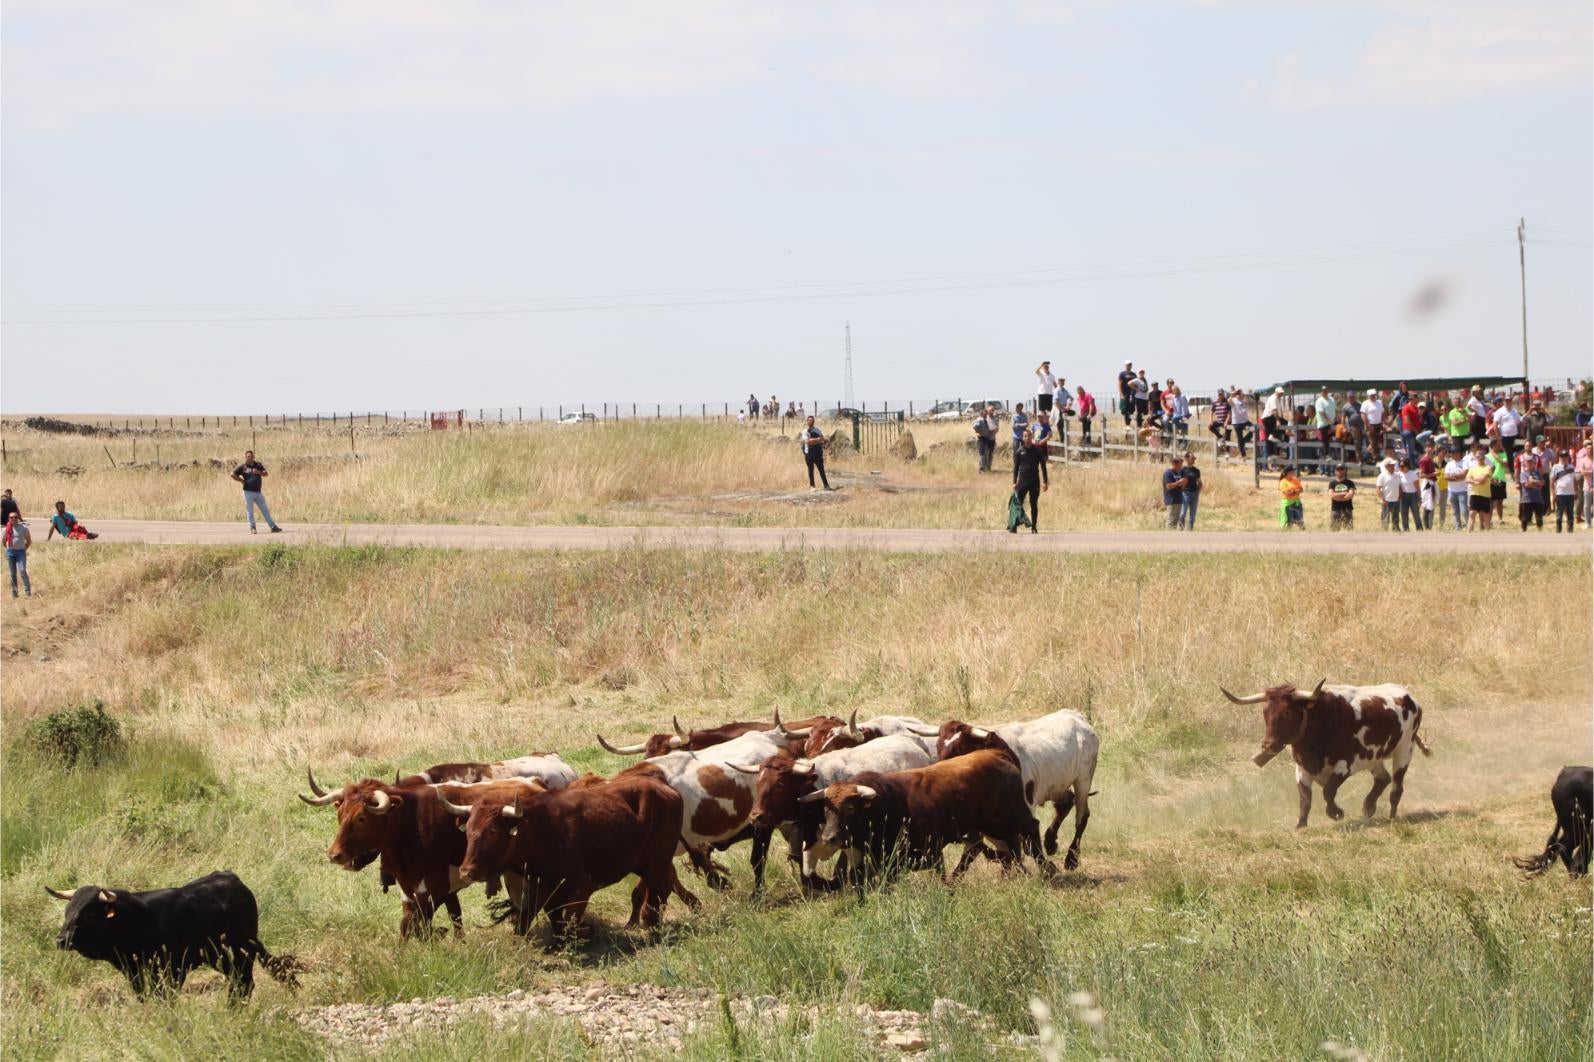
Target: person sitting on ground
x=1173, y=490
x=67, y=525
x=1291, y=514
x=1341, y=499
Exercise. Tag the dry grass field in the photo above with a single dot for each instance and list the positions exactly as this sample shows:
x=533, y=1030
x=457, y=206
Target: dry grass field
x=1202, y=922
x=626, y=473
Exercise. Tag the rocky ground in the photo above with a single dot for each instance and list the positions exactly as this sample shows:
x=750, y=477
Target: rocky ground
x=613, y=1016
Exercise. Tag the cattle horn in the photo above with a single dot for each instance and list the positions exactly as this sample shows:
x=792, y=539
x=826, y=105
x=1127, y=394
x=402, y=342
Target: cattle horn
x=979, y=733
x=852, y=723
x=804, y=767
x=866, y=793
x=1255, y=698
x=1315, y=691
x=622, y=750
x=809, y=798
x=107, y=896
x=380, y=802
x=678, y=728
x=744, y=768
x=923, y=731
x=512, y=811
x=677, y=742
x=317, y=790
x=451, y=807
x=59, y=894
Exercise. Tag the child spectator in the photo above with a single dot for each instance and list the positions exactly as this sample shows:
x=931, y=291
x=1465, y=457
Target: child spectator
x=1530, y=496
x=1341, y=496
x=1291, y=513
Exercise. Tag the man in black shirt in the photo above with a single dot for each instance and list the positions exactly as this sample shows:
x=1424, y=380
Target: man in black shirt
x=250, y=473
x=1029, y=476
x=1126, y=392
x=1190, y=495
x=1341, y=493
x=8, y=505
x=1173, y=489
x=814, y=453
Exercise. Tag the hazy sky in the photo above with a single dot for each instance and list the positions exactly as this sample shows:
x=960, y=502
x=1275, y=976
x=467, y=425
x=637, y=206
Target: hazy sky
x=292, y=206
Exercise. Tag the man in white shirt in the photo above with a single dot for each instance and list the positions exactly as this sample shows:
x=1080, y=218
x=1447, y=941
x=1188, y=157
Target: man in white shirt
x=1324, y=415
x=1045, y=384
x=1456, y=487
x=1479, y=412
x=1270, y=419
x=1373, y=419
x=1508, y=425
x=1389, y=484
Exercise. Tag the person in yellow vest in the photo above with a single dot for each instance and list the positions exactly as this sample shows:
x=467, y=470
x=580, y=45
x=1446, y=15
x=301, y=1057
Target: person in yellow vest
x=1291, y=513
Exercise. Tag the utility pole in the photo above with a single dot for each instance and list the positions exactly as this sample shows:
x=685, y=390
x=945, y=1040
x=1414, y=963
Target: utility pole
x=847, y=383
x=1522, y=259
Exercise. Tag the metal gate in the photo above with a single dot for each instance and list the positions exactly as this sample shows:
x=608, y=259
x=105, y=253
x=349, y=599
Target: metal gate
x=874, y=433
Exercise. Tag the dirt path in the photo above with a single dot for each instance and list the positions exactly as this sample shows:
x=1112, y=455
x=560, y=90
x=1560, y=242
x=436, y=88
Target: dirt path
x=764, y=539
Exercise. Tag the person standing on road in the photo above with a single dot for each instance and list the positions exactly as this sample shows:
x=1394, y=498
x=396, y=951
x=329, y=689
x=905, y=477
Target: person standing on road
x=1029, y=477
x=813, y=441
x=1173, y=490
x=17, y=540
x=985, y=437
x=1190, y=493
x=1045, y=385
x=1341, y=501
x=250, y=473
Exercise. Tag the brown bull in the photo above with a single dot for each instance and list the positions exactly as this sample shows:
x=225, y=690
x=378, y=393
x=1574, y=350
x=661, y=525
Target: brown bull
x=697, y=740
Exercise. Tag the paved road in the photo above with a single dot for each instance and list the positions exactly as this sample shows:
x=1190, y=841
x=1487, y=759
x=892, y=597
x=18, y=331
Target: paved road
x=760, y=539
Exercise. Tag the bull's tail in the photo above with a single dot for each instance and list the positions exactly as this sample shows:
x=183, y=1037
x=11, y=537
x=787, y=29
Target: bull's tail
x=1533, y=866
x=500, y=911
x=284, y=968
x=1421, y=744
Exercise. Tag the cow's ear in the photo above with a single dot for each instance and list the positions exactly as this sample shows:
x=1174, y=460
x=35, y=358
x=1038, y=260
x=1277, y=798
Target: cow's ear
x=397, y=799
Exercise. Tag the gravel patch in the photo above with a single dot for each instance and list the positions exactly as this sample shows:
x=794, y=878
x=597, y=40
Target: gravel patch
x=612, y=1016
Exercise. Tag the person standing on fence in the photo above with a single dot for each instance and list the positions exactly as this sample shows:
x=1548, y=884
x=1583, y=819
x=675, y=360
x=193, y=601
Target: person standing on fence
x=1219, y=424
x=1456, y=488
x=813, y=442
x=1140, y=388
x=1410, y=424
x=1181, y=415
x=1126, y=392
x=1373, y=417
x=1240, y=418
x=1457, y=425
x=1341, y=501
x=1506, y=425
x=1324, y=417
x=1350, y=413
x=250, y=474
x=1273, y=420
x=1173, y=490
x=985, y=437
x=1045, y=384
x=17, y=540
x=1190, y=493
x=1087, y=412
x=1029, y=477
x=1478, y=410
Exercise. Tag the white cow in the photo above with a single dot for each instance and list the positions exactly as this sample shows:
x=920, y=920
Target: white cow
x=1056, y=759
x=548, y=768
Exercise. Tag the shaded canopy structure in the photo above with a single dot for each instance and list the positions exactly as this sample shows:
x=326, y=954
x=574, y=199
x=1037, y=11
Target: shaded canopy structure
x=1429, y=383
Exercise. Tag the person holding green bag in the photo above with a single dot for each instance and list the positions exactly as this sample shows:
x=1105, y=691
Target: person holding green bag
x=1029, y=480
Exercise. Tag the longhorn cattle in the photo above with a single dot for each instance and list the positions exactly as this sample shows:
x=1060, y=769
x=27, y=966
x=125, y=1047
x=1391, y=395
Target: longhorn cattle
x=717, y=798
x=546, y=767
x=1573, y=798
x=156, y=938
x=831, y=734
x=570, y=843
x=903, y=819
x=412, y=832
x=696, y=740
x=1334, y=732
x=1056, y=756
x=783, y=779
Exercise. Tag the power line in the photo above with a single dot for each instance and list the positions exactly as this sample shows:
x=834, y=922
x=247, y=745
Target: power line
x=798, y=293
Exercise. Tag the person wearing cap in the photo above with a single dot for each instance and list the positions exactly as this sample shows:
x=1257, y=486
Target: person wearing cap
x=1173, y=490
x=1373, y=416
x=1324, y=418
x=1341, y=501
x=1272, y=419
x=1126, y=392
x=1531, y=482
x=1140, y=389
x=1478, y=410
x=1291, y=513
x=1045, y=384
x=1388, y=487
x=1507, y=425
x=1535, y=422
x=1563, y=488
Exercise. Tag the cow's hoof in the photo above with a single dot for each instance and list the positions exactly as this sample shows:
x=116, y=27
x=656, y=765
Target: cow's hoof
x=1301, y=825
x=1071, y=861
x=1336, y=814
x=1051, y=845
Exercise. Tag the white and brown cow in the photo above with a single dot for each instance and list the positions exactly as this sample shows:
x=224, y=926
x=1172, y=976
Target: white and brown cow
x=546, y=767
x=1335, y=731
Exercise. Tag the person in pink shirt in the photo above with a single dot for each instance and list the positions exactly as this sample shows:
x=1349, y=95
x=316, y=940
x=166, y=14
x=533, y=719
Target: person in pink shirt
x=1585, y=476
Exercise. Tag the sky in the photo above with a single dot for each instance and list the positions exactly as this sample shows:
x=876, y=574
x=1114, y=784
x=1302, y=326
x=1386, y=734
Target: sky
x=239, y=207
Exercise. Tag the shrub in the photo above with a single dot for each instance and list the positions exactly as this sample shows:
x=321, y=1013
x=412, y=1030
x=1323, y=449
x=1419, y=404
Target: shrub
x=83, y=733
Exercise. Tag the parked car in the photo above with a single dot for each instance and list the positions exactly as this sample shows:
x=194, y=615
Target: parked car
x=976, y=408
x=578, y=417
x=844, y=413
x=954, y=410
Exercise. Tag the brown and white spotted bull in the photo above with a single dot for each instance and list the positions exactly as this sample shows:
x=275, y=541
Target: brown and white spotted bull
x=546, y=767
x=830, y=734
x=888, y=822
x=410, y=830
x=570, y=843
x=696, y=740
x=1334, y=732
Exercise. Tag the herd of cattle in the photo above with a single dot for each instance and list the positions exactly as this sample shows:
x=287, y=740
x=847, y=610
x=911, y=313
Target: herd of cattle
x=880, y=796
